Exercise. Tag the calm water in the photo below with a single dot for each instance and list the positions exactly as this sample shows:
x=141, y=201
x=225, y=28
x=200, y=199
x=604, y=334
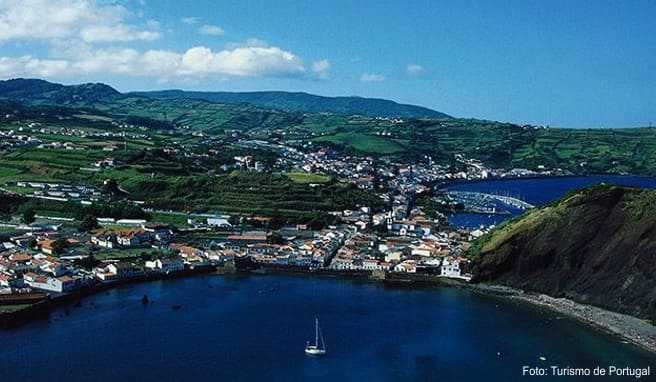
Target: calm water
x=255, y=328
x=535, y=191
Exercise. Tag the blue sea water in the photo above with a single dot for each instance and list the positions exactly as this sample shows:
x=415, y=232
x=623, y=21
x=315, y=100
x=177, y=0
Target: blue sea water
x=537, y=191
x=253, y=328
x=247, y=328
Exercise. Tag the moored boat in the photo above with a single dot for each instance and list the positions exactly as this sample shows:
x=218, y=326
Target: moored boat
x=319, y=347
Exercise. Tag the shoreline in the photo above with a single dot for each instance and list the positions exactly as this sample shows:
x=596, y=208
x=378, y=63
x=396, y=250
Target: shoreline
x=41, y=309
x=629, y=328
x=632, y=329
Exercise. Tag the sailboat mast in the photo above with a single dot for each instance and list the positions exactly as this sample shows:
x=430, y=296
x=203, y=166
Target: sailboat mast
x=316, y=331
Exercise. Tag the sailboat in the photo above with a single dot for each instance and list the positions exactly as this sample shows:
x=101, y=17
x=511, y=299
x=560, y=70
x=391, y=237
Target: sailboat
x=319, y=347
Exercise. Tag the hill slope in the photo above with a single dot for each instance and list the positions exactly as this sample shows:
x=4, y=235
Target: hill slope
x=498, y=145
x=35, y=91
x=596, y=246
x=309, y=103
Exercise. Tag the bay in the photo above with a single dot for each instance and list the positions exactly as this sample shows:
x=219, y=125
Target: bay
x=245, y=328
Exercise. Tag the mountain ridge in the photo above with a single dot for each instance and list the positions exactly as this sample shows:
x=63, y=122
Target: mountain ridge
x=38, y=91
x=306, y=102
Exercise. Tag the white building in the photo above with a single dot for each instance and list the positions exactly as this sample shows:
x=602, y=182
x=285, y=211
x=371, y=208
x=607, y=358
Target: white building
x=165, y=266
x=104, y=241
x=450, y=268
x=407, y=266
x=51, y=284
x=219, y=222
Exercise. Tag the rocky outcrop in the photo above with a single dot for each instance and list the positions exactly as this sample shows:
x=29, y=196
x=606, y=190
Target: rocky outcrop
x=595, y=246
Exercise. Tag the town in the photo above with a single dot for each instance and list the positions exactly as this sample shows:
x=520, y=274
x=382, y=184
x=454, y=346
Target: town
x=404, y=233
x=55, y=259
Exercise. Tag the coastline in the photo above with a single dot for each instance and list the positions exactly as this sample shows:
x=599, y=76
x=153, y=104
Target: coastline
x=43, y=308
x=632, y=329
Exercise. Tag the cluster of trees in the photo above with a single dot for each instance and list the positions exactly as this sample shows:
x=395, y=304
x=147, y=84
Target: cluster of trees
x=151, y=124
x=59, y=246
x=89, y=223
x=9, y=203
x=116, y=210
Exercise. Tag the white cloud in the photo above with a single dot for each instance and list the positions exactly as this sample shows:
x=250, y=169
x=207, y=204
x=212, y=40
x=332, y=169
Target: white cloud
x=190, y=20
x=80, y=36
x=195, y=62
x=30, y=66
x=372, y=77
x=106, y=33
x=245, y=61
x=211, y=30
x=321, y=68
x=414, y=69
x=65, y=19
x=119, y=61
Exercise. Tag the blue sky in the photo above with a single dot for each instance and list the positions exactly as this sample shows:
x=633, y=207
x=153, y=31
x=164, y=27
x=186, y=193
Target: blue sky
x=561, y=63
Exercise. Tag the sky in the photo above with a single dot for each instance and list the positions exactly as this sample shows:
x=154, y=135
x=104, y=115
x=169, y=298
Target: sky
x=560, y=63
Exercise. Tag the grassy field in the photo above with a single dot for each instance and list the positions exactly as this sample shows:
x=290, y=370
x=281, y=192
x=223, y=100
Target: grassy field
x=173, y=219
x=363, y=142
x=47, y=164
x=123, y=254
x=306, y=177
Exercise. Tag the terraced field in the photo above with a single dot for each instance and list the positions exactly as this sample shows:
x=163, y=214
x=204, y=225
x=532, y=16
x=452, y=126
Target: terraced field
x=364, y=142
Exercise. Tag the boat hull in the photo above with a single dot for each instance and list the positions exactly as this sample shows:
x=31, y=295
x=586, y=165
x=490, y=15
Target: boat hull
x=313, y=350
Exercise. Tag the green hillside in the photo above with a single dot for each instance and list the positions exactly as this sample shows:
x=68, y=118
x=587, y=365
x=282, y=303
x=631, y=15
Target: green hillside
x=304, y=102
x=39, y=91
x=596, y=246
x=500, y=145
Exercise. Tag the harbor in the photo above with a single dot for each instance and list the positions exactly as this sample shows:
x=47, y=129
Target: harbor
x=264, y=322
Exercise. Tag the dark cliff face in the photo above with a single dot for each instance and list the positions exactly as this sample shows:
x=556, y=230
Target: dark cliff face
x=596, y=246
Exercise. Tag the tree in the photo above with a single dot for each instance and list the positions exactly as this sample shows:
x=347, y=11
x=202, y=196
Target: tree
x=111, y=187
x=89, y=223
x=88, y=262
x=145, y=256
x=59, y=245
x=234, y=220
x=29, y=216
x=316, y=224
x=276, y=221
x=275, y=238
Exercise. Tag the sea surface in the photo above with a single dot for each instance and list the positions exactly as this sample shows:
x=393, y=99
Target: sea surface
x=254, y=328
x=536, y=191
x=248, y=328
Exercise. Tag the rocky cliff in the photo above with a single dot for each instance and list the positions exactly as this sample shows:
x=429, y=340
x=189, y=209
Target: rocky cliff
x=595, y=246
